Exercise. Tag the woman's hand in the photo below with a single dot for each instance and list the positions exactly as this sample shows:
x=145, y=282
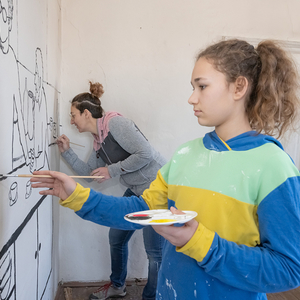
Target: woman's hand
x=177, y=236
x=101, y=172
x=63, y=143
x=60, y=185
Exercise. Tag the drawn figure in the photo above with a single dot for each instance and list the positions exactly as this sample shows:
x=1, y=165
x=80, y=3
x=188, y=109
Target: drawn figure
x=6, y=278
x=13, y=193
x=27, y=130
x=9, y=89
x=41, y=116
x=6, y=14
x=53, y=128
x=28, y=189
x=37, y=124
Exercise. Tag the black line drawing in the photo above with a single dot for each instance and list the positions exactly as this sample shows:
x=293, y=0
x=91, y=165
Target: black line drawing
x=35, y=120
x=29, y=127
x=6, y=278
x=6, y=12
x=13, y=193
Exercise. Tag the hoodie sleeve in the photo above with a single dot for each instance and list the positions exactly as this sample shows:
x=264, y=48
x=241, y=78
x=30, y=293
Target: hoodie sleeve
x=109, y=210
x=104, y=210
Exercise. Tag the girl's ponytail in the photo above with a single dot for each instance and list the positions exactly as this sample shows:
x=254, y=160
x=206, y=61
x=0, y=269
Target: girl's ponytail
x=275, y=100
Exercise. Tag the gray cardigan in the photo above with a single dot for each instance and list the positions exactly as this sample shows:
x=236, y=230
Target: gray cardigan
x=137, y=171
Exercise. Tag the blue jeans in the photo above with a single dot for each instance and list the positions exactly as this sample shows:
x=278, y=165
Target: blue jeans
x=118, y=240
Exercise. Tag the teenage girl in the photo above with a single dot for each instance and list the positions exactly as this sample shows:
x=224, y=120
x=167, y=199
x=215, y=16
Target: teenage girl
x=119, y=148
x=245, y=240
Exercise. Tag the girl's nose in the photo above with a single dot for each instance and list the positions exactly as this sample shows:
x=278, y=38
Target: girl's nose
x=193, y=98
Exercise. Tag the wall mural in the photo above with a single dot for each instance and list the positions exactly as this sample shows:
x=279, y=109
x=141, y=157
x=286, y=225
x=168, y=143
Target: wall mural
x=28, y=124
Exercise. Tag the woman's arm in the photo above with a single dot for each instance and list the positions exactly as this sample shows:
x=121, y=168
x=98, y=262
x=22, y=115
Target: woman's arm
x=79, y=166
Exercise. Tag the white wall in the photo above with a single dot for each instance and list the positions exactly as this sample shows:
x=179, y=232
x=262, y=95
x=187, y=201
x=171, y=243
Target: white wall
x=143, y=53
x=29, y=91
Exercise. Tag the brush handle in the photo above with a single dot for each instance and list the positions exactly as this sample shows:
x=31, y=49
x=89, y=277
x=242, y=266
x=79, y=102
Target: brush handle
x=30, y=175
x=86, y=176
x=76, y=144
x=71, y=143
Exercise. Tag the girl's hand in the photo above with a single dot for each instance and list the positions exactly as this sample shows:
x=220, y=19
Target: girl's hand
x=63, y=143
x=101, y=172
x=177, y=236
x=60, y=185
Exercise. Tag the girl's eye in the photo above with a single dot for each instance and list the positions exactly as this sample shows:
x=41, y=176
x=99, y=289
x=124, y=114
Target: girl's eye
x=202, y=87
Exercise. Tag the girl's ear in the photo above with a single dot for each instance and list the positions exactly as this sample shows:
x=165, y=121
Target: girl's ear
x=241, y=87
x=87, y=113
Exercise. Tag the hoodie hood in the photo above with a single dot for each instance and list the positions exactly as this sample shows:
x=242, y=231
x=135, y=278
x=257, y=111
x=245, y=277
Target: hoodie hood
x=242, y=142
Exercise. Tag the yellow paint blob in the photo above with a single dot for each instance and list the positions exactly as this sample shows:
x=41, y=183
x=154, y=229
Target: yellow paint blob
x=162, y=221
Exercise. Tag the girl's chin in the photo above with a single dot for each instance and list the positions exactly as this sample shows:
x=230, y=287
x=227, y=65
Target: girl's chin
x=203, y=123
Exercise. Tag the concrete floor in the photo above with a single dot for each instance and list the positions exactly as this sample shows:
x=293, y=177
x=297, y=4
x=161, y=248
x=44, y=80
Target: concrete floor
x=289, y=295
x=81, y=291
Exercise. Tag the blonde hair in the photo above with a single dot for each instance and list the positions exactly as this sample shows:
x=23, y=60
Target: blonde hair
x=272, y=103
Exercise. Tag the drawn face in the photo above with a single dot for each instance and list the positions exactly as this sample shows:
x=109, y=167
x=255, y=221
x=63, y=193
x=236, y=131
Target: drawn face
x=5, y=24
x=212, y=95
x=77, y=119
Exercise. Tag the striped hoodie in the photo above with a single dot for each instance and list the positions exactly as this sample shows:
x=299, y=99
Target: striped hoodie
x=246, y=194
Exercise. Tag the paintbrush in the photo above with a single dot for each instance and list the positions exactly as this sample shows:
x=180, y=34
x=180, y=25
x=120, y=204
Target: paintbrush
x=69, y=142
x=76, y=144
x=31, y=175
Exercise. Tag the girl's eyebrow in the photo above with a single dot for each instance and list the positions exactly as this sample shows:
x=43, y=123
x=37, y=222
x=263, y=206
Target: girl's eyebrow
x=197, y=79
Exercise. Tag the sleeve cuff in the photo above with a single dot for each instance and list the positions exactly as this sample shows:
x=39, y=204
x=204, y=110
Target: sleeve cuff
x=76, y=200
x=68, y=155
x=198, y=246
x=115, y=170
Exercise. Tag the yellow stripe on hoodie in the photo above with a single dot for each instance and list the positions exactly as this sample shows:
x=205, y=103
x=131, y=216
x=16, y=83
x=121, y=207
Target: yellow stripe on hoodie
x=76, y=200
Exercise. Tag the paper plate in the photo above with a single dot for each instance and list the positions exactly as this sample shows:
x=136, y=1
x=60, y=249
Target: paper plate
x=159, y=217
